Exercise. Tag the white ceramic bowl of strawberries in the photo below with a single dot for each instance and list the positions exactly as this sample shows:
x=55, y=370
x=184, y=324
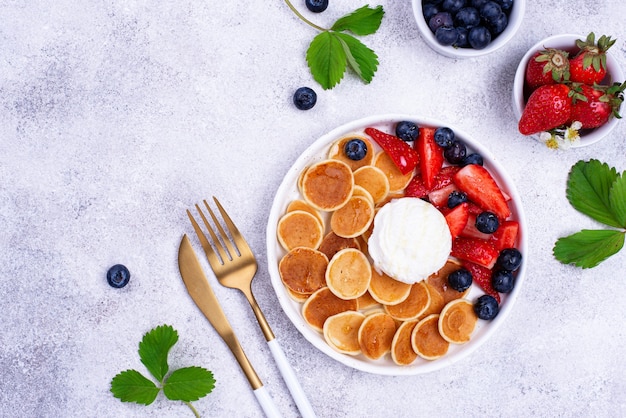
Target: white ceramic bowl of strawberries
x=515, y=15
x=567, y=43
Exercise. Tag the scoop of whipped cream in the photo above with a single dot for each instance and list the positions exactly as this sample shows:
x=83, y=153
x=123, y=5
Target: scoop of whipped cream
x=410, y=240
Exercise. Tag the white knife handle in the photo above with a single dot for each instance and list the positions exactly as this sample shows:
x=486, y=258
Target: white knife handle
x=267, y=403
x=304, y=406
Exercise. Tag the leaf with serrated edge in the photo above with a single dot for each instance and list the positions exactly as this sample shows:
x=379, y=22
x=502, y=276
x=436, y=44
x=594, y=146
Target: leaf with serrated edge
x=360, y=58
x=188, y=384
x=588, y=188
x=132, y=386
x=327, y=60
x=588, y=248
x=154, y=347
x=617, y=198
x=363, y=21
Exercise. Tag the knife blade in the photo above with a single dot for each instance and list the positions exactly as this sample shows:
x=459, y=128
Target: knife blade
x=202, y=294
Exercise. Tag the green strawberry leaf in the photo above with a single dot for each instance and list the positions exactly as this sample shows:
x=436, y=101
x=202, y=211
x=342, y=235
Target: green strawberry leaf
x=617, y=199
x=132, y=386
x=360, y=58
x=588, y=189
x=154, y=347
x=363, y=21
x=588, y=248
x=188, y=384
x=327, y=59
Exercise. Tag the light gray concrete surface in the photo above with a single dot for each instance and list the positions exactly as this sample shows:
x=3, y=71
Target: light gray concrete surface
x=116, y=116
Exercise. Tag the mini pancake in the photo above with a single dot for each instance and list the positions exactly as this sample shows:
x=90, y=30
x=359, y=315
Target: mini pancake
x=387, y=290
x=376, y=335
x=397, y=180
x=361, y=191
x=297, y=297
x=299, y=229
x=327, y=185
x=402, y=352
x=348, y=274
x=457, y=321
x=354, y=218
x=333, y=243
x=323, y=304
x=436, y=301
x=374, y=180
x=413, y=306
x=341, y=332
x=366, y=301
x=426, y=340
x=439, y=281
x=299, y=204
x=337, y=152
x=303, y=270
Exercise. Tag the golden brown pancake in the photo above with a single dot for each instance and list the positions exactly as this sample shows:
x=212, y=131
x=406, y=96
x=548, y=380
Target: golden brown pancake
x=426, y=340
x=300, y=204
x=439, y=281
x=354, y=218
x=374, y=180
x=348, y=274
x=303, y=270
x=327, y=185
x=333, y=243
x=299, y=229
x=387, y=290
x=457, y=321
x=341, y=332
x=402, y=352
x=397, y=180
x=337, y=152
x=323, y=304
x=413, y=306
x=376, y=334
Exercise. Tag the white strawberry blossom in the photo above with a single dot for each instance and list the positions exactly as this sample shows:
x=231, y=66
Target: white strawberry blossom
x=562, y=138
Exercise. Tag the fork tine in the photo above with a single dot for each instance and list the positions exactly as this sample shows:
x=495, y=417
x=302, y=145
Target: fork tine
x=240, y=242
x=223, y=252
x=234, y=251
x=213, y=258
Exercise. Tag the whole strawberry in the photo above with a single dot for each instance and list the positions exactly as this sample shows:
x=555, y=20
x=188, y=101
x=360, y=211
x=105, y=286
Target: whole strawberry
x=593, y=106
x=549, y=66
x=547, y=108
x=588, y=66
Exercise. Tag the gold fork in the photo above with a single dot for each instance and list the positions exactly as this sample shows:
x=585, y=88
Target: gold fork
x=235, y=266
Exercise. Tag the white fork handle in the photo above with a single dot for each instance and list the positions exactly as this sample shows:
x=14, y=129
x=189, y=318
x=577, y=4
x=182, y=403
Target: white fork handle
x=304, y=406
x=267, y=403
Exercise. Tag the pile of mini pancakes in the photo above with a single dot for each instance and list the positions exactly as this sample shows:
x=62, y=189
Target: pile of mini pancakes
x=326, y=267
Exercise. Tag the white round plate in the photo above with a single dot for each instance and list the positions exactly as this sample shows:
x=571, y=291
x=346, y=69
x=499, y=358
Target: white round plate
x=288, y=191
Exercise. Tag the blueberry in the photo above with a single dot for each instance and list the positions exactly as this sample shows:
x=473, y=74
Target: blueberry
x=460, y=280
x=473, y=158
x=452, y=6
x=444, y=136
x=316, y=6
x=455, y=153
x=355, y=149
x=509, y=259
x=439, y=20
x=486, y=307
x=505, y=4
x=478, y=3
x=455, y=198
x=304, y=98
x=502, y=281
x=461, y=39
x=467, y=17
x=429, y=10
x=498, y=24
x=490, y=10
x=487, y=222
x=446, y=35
x=479, y=37
x=118, y=276
x=407, y=131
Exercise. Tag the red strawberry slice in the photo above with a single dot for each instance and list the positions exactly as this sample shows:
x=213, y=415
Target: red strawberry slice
x=476, y=250
x=482, y=189
x=482, y=277
x=401, y=153
x=416, y=187
x=439, y=197
x=505, y=235
x=430, y=154
x=470, y=230
x=457, y=218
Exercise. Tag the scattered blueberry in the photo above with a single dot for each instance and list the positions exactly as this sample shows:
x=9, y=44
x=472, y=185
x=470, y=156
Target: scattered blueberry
x=407, y=131
x=487, y=222
x=502, y=281
x=455, y=198
x=509, y=259
x=118, y=276
x=460, y=280
x=455, y=153
x=473, y=158
x=479, y=37
x=429, y=10
x=439, y=20
x=486, y=307
x=316, y=6
x=467, y=17
x=304, y=98
x=355, y=149
x=444, y=136
x=446, y=35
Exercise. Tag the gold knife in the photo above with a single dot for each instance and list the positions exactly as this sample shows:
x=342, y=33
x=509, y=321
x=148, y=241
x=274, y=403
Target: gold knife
x=202, y=294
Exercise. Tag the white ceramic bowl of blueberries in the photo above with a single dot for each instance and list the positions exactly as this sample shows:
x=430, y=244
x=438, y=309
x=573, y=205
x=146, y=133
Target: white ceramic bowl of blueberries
x=468, y=28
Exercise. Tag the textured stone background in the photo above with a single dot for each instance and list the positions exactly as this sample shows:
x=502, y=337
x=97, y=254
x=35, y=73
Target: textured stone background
x=116, y=116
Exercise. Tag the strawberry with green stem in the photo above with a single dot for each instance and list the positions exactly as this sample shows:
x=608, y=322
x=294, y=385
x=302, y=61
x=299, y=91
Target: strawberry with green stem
x=548, y=107
x=549, y=66
x=588, y=66
x=593, y=106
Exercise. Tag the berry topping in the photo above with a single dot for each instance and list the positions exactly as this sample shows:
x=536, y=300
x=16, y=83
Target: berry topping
x=460, y=280
x=482, y=189
x=444, y=137
x=473, y=158
x=456, y=152
x=407, y=131
x=118, y=276
x=316, y=6
x=456, y=198
x=430, y=156
x=482, y=277
x=304, y=98
x=401, y=153
x=502, y=281
x=487, y=222
x=476, y=250
x=355, y=149
x=486, y=307
x=457, y=219
x=509, y=259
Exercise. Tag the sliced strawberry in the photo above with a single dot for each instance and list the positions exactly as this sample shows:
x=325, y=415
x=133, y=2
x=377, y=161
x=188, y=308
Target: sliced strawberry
x=401, y=153
x=482, y=189
x=470, y=230
x=416, y=187
x=430, y=155
x=474, y=209
x=505, y=235
x=439, y=197
x=482, y=277
x=457, y=218
x=476, y=250
x=444, y=177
